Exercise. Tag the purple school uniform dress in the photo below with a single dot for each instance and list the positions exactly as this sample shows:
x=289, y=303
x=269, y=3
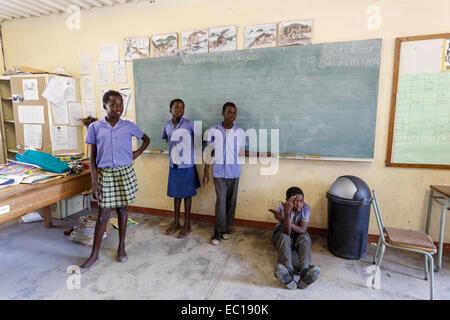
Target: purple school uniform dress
x=183, y=177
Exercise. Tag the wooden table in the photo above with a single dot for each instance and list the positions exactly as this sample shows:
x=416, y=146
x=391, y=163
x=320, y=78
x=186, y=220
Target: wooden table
x=436, y=193
x=15, y=201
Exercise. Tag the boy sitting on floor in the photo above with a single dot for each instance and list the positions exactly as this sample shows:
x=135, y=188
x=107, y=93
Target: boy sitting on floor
x=293, y=243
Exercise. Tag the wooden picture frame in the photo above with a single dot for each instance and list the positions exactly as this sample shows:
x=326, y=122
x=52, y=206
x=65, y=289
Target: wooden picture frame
x=389, y=154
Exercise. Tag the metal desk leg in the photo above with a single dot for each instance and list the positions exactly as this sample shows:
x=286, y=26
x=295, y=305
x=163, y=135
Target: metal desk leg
x=430, y=203
x=441, y=235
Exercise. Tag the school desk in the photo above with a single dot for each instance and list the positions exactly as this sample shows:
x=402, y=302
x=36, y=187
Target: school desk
x=15, y=201
x=439, y=193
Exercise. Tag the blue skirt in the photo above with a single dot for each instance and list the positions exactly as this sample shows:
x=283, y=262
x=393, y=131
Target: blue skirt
x=183, y=183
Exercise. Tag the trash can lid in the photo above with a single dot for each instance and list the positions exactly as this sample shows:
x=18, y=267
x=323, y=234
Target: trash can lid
x=351, y=188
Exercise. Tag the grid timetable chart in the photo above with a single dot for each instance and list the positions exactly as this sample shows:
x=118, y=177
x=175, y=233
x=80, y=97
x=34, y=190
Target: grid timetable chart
x=422, y=109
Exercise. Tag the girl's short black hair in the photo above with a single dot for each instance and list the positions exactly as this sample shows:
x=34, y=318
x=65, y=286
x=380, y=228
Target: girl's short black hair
x=228, y=104
x=111, y=93
x=293, y=191
x=173, y=102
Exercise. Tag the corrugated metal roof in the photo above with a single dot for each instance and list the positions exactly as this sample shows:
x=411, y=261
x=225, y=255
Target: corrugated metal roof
x=18, y=9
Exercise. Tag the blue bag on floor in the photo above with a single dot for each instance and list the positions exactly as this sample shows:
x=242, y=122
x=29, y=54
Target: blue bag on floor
x=44, y=160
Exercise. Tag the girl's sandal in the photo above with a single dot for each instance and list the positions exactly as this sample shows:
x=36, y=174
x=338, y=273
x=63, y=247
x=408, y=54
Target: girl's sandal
x=171, y=230
x=184, y=234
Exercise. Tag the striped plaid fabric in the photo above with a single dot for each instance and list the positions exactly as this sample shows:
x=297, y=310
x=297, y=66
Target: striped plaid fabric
x=118, y=186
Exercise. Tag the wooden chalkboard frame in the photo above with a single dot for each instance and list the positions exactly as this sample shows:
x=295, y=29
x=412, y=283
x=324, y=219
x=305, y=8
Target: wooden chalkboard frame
x=398, y=44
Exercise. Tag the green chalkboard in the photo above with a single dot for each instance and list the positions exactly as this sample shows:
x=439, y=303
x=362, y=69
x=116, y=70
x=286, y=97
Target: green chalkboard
x=321, y=97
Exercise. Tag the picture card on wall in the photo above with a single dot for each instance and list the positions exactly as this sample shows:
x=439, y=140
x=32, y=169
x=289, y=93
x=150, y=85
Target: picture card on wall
x=164, y=45
x=261, y=36
x=194, y=41
x=295, y=32
x=222, y=39
x=137, y=48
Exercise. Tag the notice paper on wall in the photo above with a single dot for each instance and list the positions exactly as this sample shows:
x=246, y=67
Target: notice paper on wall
x=126, y=95
x=86, y=63
x=89, y=108
x=59, y=137
x=55, y=92
x=72, y=138
x=120, y=71
x=88, y=87
x=30, y=89
x=60, y=114
x=75, y=114
x=103, y=73
x=32, y=134
x=71, y=93
x=109, y=52
x=103, y=91
x=31, y=114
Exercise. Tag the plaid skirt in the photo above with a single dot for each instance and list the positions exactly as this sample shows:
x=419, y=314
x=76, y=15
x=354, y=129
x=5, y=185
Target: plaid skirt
x=118, y=186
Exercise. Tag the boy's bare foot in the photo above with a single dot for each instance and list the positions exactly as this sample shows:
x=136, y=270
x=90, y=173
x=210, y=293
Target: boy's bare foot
x=184, y=233
x=88, y=264
x=171, y=230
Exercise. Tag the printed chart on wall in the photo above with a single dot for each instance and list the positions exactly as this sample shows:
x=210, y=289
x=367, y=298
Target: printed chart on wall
x=419, y=134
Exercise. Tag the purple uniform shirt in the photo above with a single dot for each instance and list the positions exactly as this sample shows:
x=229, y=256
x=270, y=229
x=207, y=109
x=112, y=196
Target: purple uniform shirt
x=114, y=144
x=226, y=162
x=179, y=143
x=302, y=215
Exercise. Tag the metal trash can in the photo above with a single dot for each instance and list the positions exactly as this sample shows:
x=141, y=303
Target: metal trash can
x=349, y=201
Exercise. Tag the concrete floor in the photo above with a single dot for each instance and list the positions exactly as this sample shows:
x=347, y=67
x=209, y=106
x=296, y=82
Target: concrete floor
x=34, y=260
